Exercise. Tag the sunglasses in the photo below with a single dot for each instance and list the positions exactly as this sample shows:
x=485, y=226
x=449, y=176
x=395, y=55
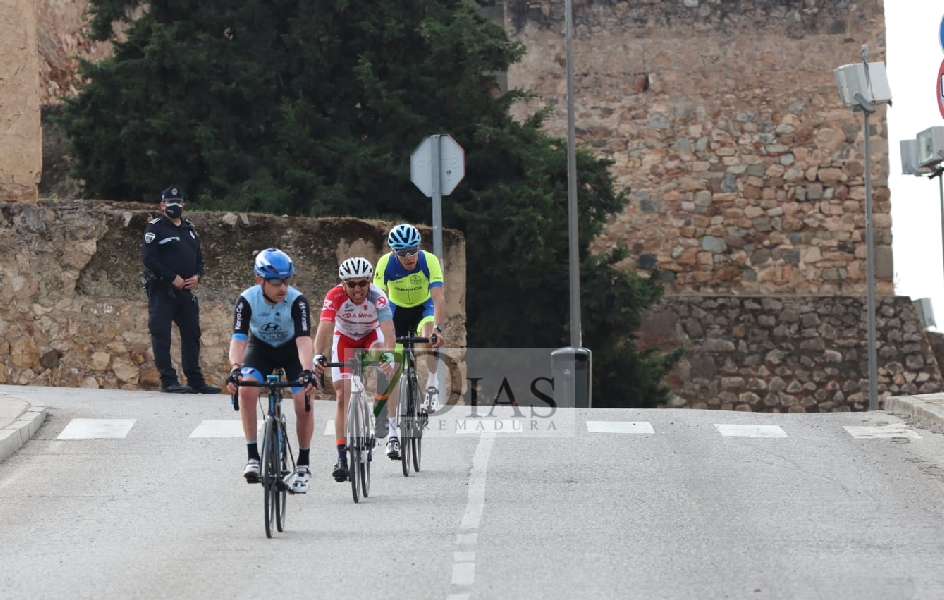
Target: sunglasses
x=407, y=252
x=354, y=284
x=278, y=282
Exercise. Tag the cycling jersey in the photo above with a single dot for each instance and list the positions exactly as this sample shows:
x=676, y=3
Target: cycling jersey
x=275, y=325
x=355, y=320
x=408, y=288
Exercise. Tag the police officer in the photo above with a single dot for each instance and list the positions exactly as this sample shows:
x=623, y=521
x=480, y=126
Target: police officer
x=173, y=264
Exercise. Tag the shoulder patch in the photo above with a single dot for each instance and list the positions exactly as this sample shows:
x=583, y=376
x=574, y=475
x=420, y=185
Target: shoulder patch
x=153, y=221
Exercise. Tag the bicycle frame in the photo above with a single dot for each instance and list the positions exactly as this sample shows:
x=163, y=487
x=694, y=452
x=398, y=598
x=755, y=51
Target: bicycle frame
x=277, y=458
x=358, y=429
x=410, y=420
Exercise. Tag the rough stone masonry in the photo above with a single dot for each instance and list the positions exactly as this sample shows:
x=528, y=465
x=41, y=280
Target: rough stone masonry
x=745, y=174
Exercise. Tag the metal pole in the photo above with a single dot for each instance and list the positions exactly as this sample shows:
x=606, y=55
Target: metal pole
x=576, y=335
x=437, y=196
x=870, y=268
x=437, y=225
x=940, y=187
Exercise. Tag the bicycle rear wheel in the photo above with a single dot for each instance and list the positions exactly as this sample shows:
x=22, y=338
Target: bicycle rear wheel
x=405, y=418
x=270, y=474
x=284, y=472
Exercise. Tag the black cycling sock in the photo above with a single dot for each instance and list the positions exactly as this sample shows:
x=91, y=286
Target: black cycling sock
x=342, y=451
x=253, y=448
x=303, y=456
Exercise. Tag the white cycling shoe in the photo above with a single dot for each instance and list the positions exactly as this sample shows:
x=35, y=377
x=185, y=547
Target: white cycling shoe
x=302, y=479
x=432, y=400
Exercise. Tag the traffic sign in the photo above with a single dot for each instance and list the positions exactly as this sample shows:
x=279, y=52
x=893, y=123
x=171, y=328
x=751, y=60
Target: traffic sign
x=451, y=164
x=940, y=88
x=940, y=33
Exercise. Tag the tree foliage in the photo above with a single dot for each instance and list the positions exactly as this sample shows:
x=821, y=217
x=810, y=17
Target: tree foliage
x=313, y=107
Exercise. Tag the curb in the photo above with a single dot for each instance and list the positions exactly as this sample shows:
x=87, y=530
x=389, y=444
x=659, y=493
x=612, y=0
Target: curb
x=15, y=435
x=927, y=407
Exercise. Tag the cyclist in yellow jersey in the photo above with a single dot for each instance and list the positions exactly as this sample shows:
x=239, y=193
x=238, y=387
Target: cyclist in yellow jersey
x=413, y=281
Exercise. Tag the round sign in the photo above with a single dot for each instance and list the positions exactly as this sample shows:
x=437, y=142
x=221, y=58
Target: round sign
x=940, y=88
x=940, y=33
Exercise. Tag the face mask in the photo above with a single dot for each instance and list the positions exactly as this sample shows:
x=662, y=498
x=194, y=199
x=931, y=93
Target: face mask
x=174, y=210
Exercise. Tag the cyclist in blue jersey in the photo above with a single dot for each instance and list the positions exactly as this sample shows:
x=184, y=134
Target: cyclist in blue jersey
x=272, y=330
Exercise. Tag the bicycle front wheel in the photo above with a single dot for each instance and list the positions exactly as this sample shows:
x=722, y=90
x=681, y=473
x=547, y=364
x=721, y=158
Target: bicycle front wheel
x=405, y=418
x=364, y=467
x=270, y=474
x=284, y=473
x=353, y=432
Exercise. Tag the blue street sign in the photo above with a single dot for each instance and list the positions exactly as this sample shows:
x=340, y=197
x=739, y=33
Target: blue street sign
x=940, y=33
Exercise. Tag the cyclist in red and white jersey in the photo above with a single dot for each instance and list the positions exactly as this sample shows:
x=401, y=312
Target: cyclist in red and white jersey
x=356, y=314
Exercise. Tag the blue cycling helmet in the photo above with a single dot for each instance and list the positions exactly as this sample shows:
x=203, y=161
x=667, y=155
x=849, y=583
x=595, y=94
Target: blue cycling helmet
x=272, y=263
x=403, y=236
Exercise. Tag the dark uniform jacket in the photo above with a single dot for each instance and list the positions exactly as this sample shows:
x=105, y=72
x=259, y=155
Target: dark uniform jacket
x=169, y=250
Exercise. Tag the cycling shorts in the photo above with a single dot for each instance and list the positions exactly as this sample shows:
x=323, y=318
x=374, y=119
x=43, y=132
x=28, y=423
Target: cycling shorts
x=342, y=349
x=410, y=321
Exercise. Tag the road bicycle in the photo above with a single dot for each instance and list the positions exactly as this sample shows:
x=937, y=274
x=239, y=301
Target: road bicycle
x=411, y=416
x=278, y=460
x=358, y=429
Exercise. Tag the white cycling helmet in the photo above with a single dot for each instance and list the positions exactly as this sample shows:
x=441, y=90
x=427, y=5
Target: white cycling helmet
x=355, y=267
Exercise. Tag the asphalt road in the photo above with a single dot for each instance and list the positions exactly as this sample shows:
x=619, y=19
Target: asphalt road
x=593, y=504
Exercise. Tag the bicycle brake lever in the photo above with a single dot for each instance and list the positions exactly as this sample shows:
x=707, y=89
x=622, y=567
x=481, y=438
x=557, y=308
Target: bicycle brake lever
x=235, y=400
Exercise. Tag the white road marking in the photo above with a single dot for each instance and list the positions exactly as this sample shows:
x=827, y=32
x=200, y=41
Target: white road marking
x=218, y=429
x=619, y=427
x=329, y=427
x=476, y=502
x=760, y=431
x=90, y=429
x=466, y=538
x=222, y=428
x=463, y=573
x=887, y=431
x=463, y=560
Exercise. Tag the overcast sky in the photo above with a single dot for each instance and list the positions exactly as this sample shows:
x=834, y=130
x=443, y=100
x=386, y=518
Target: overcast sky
x=914, y=55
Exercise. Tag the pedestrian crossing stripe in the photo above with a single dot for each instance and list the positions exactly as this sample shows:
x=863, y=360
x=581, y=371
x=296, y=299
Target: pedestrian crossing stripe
x=759, y=431
x=86, y=429
x=227, y=428
x=619, y=427
x=94, y=429
x=895, y=431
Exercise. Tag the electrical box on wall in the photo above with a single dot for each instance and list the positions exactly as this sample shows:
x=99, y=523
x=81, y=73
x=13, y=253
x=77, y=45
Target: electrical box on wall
x=871, y=84
x=909, y=159
x=930, y=147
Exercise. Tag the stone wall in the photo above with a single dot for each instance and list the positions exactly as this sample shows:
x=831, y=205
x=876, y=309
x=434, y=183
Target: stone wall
x=21, y=158
x=74, y=312
x=745, y=172
x=791, y=354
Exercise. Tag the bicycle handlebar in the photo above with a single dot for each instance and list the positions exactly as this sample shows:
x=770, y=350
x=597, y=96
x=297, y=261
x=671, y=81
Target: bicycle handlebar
x=268, y=384
x=409, y=339
x=234, y=398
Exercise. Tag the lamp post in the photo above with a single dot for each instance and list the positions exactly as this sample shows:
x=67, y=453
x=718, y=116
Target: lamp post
x=860, y=87
x=867, y=109
x=576, y=334
x=572, y=366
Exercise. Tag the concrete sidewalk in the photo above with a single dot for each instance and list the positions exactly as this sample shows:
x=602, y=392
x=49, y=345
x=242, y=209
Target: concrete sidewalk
x=19, y=421
x=925, y=407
